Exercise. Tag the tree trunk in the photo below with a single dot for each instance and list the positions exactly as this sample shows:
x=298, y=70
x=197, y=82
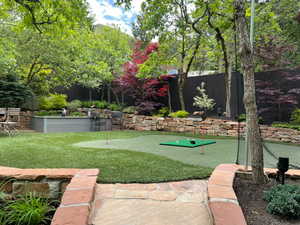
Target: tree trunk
x=220, y=64
x=227, y=74
x=228, y=91
x=116, y=96
x=181, y=83
x=102, y=92
x=90, y=94
x=108, y=93
x=122, y=97
x=169, y=99
x=252, y=127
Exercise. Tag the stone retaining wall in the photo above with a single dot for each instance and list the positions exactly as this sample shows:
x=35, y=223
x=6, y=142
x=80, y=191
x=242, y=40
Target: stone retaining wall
x=49, y=183
x=75, y=188
x=25, y=120
x=210, y=126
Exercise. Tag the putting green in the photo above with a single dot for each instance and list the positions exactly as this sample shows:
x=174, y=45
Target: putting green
x=224, y=151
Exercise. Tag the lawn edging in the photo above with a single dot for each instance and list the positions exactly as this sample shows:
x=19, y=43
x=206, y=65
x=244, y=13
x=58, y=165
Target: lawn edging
x=223, y=202
x=77, y=187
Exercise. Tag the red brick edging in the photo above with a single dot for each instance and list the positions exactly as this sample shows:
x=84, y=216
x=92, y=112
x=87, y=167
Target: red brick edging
x=223, y=202
x=78, y=195
x=77, y=200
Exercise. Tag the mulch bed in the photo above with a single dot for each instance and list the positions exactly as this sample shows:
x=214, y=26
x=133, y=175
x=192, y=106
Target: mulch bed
x=250, y=197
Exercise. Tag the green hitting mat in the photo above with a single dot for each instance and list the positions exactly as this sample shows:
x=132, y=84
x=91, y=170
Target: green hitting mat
x=188, y=143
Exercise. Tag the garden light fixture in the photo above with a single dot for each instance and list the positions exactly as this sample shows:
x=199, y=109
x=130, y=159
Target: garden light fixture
x=283, y=167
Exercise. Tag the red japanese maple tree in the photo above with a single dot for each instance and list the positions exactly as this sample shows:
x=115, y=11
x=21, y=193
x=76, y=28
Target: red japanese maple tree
x=147, y=93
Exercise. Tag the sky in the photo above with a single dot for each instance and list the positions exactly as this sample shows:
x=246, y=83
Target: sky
x=106, y=13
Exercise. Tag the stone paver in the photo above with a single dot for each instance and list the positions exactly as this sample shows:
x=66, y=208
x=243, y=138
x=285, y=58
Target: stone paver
x=174, y=203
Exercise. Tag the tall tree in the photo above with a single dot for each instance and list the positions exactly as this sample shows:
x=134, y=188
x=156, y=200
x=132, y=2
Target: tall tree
x=247, y=64
x=147, y=92
x=218, y=16
x=166, y=21
x=115, y=52
x=47, y=15
x=277, y=35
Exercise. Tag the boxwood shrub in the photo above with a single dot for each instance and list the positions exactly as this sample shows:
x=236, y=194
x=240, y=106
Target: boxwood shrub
x=284, y=200
x=179, y=114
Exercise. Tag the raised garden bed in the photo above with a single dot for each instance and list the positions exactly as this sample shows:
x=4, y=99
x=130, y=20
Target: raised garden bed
x=225, y=205
x=250, y=197
x=74, y=187
x=50, y=124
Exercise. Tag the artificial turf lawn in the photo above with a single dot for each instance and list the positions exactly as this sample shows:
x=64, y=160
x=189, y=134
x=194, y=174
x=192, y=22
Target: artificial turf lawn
x=224, y=151
x=131, y=156
x=35, y=150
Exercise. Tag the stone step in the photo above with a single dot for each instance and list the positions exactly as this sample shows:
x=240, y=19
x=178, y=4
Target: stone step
x=173, y=203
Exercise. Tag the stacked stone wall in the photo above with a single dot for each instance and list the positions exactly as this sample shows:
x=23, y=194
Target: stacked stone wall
x=25, y=120
x=210, y=126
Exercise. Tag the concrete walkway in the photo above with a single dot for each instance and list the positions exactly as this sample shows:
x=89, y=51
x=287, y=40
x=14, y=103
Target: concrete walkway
x=174, y=203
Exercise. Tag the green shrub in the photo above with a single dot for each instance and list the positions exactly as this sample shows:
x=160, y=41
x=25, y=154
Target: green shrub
x=286, y=125
x=164, y=111
x=74, y=105
x=115, y=107
x=59, y=101
x=12, y=92
x=54, y=101
x=31, y=103
x=179, y=114
x=86, y=104
x=242, y=118
x=295, y=117
x=77, y=114
x=45, y=103
x=27, y=210
x=129, y=110
x=100, y=104
x=48, y=113
x=284, y=200
x=96, y=104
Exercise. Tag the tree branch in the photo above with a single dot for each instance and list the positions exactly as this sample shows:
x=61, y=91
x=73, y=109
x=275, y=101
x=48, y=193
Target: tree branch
x=31, y=11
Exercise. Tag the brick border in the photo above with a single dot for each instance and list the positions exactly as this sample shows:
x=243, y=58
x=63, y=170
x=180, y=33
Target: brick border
x=223, y=203
x=76, y=203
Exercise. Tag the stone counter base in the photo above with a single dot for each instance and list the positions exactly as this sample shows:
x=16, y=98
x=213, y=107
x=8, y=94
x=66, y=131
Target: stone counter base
x=210, y=126
x=75, y=188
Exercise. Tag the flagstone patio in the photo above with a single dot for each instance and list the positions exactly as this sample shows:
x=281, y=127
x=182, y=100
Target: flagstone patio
x=173, y=203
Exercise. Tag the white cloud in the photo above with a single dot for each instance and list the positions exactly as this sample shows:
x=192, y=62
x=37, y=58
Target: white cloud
x=108, y=9
x=136, y=6
x=108, y=14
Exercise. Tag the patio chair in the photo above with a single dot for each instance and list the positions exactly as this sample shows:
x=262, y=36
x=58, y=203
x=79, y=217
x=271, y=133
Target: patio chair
x=3, y=115
x=6, y=126
x=14, y=115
